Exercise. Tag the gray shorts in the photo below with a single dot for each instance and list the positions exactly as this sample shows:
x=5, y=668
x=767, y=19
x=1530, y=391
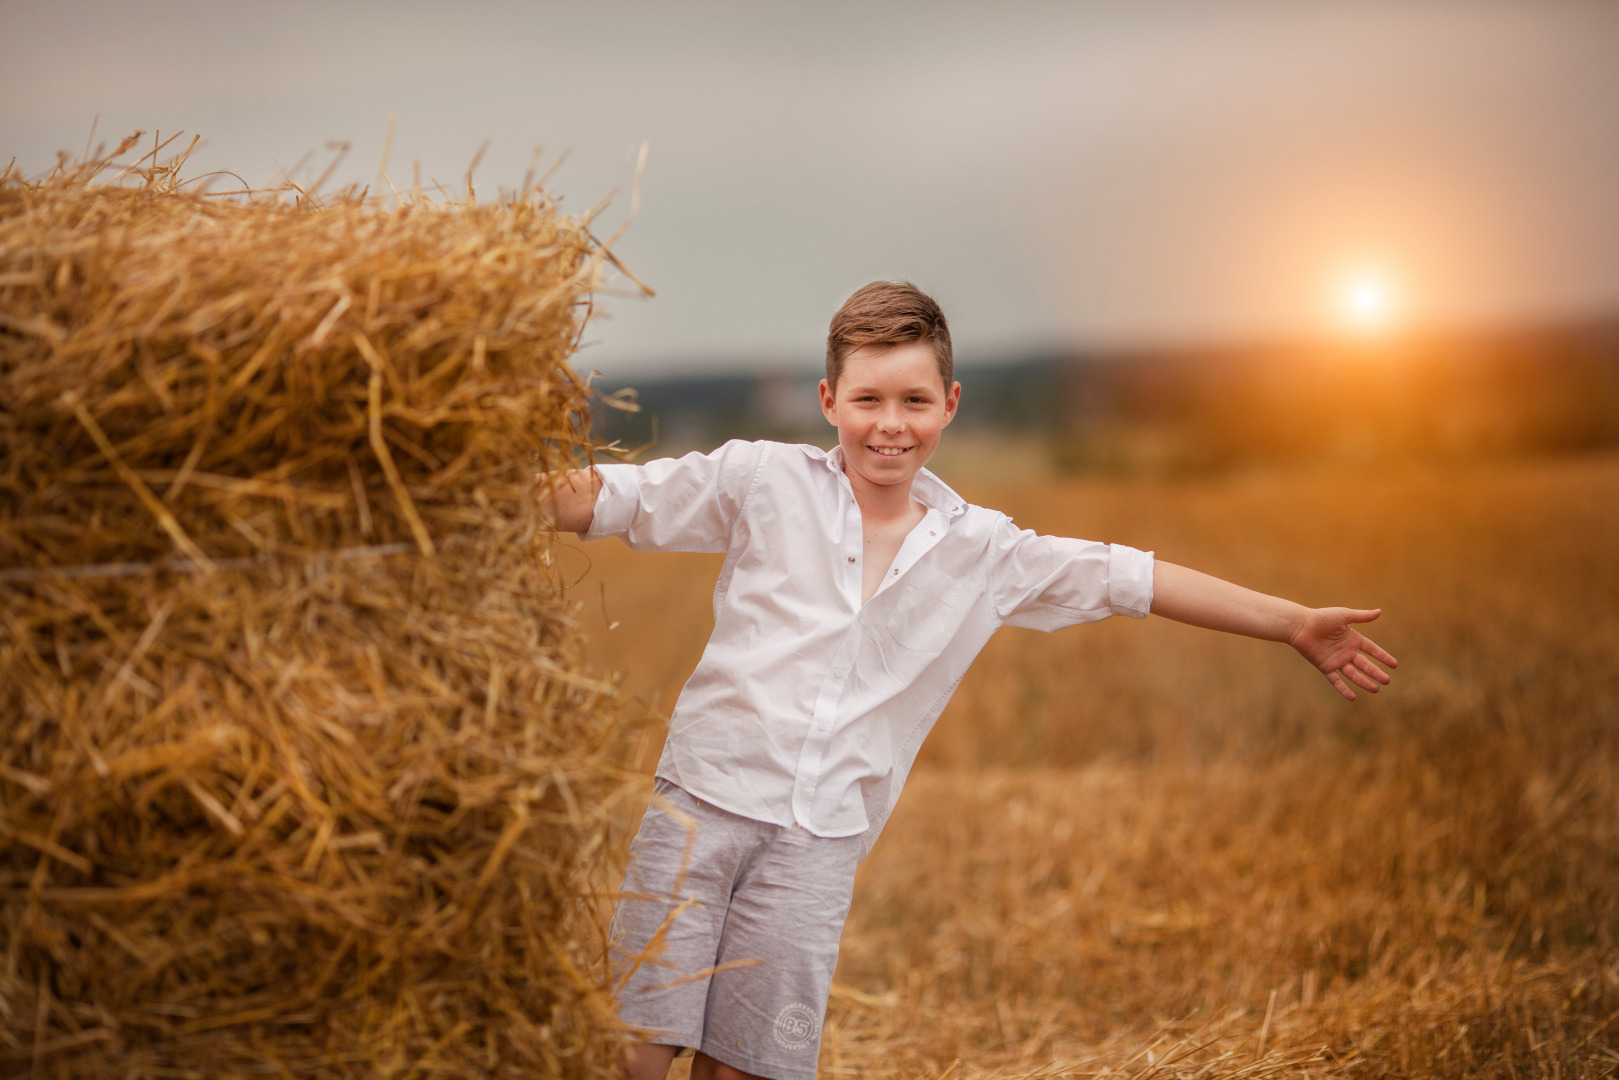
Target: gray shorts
x=726, y=934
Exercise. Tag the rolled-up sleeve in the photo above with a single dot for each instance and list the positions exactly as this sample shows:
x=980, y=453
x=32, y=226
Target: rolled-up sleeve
x=1049, y=582
x=689, y=503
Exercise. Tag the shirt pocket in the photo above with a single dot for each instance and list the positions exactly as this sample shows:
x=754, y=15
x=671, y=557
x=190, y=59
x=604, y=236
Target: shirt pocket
x=924, y=615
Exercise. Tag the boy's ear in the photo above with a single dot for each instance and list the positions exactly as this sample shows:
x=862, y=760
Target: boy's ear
x=829, y=402
x=952, y=398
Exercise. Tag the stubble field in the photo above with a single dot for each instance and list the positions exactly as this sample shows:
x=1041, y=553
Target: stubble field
x=1142, y=849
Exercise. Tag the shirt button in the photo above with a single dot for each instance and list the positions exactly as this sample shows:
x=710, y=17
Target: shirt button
x=896, y=569
x=851, y=558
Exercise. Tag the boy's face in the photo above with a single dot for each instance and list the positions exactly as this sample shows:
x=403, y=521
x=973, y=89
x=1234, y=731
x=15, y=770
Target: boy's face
x=890, y=407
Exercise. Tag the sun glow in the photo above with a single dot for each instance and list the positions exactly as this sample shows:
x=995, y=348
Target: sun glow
x=1366, y=302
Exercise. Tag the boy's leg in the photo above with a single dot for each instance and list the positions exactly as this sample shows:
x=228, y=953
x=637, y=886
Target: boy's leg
x=787, y=910
x=704, y=1067
x=648, y=1061
x=666, y=926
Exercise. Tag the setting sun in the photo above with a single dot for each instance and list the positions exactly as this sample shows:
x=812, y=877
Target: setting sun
x=1366, y=302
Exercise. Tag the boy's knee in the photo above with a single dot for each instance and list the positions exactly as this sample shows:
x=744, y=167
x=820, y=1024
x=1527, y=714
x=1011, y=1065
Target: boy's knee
x=647, y=1061
x=704, y=1067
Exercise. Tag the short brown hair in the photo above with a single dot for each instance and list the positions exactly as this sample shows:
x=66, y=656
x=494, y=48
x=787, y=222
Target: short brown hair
x=888, y=313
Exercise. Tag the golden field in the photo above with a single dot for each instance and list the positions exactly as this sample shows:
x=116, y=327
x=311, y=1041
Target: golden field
x=1142, y=849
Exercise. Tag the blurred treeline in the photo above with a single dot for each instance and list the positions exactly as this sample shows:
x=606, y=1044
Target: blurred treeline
x=1187, y=410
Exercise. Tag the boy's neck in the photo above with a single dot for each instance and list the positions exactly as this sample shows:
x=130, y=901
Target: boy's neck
x=880, y=502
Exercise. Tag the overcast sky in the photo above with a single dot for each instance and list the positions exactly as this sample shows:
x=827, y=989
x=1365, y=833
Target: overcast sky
x=1059, y=175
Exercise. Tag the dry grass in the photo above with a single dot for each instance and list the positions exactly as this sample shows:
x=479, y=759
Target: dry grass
x=298, y=771
x=1145, y=849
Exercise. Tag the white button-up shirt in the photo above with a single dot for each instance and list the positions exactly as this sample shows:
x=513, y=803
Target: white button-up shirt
x=807, y=706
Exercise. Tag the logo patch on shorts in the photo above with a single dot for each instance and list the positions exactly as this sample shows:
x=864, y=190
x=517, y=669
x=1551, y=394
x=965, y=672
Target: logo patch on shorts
x=795, y=1026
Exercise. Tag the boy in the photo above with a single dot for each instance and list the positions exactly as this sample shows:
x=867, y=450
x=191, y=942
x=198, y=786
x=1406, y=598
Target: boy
x=856, y=590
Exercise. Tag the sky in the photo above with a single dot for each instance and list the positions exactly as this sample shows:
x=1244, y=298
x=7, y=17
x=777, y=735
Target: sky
x=1074, y=176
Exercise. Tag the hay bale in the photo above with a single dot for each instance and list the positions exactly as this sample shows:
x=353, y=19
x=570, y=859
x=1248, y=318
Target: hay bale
x=298, y=771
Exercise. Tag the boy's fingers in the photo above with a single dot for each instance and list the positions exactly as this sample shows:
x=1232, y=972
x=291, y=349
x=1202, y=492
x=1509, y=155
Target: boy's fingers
x=1339, y=685
x=1369, y=646
x=1360, y=678
x=1364, y=663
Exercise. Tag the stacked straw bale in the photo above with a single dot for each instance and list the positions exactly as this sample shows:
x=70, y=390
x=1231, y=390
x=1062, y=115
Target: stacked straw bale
x=298, y=772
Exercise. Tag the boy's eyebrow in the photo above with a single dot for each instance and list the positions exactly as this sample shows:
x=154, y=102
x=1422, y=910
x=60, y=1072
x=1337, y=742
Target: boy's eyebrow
x=919, y=387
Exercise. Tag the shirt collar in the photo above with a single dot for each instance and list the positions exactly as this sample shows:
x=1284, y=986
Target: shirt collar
x=926, y=488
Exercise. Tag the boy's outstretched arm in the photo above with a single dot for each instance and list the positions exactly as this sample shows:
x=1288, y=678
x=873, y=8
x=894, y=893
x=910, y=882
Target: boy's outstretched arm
x=1324, y=636
x=567, y=500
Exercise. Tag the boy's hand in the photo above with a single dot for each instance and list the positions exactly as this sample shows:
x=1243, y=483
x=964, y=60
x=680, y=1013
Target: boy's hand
x=567, y=500
x=1328, y=639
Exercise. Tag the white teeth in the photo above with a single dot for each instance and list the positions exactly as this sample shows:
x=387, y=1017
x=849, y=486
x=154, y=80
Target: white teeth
x=889, y=451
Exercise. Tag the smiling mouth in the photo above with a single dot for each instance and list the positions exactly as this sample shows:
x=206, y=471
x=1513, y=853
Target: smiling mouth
x=889, y=451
